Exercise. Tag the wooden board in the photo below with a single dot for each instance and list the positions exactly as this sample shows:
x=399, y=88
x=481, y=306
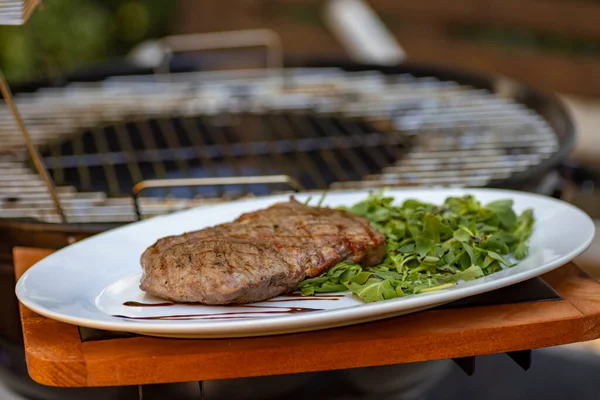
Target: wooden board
x=56, y=355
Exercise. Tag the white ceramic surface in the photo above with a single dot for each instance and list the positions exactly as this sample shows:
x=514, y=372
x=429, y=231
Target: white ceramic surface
x=87, y=283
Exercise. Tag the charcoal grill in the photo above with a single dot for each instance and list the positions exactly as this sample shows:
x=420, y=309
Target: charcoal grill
x=124, y=142
x=323, y=128
x=326, y=128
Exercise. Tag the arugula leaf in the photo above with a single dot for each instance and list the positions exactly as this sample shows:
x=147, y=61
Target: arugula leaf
x=497, y=257
x=496, y=243
x=463, y=234
x=523, y=233
x=506, y=215
x=431, y=227
x=423, y=245
x=430, y=247
x=474, y=258
x=322, y=199
x=373, y=290
x=407, y=248
x=332, y=280
x=469, y=274
x=360, y=209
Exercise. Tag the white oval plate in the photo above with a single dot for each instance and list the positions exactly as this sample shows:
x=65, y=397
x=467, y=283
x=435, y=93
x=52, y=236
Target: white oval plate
x=87, y=283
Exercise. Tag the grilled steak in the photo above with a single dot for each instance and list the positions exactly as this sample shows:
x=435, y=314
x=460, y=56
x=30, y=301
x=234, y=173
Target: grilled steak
x=258, y=256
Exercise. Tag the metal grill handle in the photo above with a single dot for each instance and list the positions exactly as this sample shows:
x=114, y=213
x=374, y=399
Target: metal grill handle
x=213, y=41
x=221, y=181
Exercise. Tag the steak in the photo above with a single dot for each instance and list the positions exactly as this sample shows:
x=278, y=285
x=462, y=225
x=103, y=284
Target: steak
x=258, y=256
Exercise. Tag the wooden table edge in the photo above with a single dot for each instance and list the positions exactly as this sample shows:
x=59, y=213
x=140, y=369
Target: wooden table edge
x=78, y=364
x=64, y=366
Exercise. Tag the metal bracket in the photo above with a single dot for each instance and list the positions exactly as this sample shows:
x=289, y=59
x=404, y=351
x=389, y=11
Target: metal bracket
x=157, y=53
x=522, y=358
x=467, y=364
x=189, y=182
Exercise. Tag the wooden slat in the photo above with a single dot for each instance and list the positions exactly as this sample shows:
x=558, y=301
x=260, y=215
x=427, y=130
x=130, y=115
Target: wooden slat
x=576, y=18
x=553, y=72
x=547, y=71
x=423, y=29
x=56, y=356
x=571, y=278
x=211, y=16
x=420, y=337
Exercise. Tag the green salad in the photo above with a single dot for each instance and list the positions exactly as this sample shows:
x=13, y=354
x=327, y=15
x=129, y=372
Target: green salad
x=430, y=247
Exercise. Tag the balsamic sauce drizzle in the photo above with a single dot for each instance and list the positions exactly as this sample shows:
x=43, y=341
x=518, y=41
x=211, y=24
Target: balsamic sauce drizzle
x=234, y=314
x=138, y=304
x=294, y=297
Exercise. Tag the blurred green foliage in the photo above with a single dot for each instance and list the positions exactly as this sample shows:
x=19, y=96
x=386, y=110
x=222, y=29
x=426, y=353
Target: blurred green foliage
x=65, y=34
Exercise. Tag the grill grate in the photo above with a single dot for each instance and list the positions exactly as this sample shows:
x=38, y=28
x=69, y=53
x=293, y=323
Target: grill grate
x=324, y=127
x=328, y=149
x=16, y=12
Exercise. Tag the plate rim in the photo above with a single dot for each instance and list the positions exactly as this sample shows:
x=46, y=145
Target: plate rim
x=296, y=322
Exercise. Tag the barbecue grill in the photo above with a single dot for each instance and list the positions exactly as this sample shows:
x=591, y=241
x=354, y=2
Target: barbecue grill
x=123, y=142
x=327, y=128
x=323, y=127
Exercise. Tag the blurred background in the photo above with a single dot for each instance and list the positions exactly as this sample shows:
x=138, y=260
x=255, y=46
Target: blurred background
x=551, y=46
x=66, y=35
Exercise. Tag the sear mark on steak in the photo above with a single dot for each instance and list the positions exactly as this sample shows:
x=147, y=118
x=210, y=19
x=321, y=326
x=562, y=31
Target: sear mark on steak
x=260, y=255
